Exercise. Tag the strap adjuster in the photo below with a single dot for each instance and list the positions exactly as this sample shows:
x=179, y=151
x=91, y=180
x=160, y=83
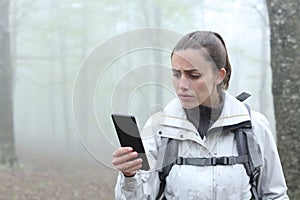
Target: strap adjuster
x=180, y=161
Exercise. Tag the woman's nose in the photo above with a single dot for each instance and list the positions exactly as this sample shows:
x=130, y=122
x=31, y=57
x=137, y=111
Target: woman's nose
x=183, y=83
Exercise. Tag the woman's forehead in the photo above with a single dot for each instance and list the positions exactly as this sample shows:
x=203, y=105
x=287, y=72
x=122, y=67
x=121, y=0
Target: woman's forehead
x=189, y=59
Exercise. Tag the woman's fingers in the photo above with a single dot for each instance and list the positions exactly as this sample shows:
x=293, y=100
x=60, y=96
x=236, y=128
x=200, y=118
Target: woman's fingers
x=124, y=160
x=121, y=151
x=122, y=155
x=130, y=166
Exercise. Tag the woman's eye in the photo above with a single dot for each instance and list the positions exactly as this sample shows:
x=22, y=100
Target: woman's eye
x=176, y=75
x=195, y=76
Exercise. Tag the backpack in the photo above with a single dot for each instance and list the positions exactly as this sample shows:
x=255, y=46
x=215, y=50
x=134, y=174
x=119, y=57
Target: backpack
x=248, y=155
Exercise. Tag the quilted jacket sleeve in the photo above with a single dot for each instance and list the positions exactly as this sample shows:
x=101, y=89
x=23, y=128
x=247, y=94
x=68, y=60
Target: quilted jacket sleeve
x=145, y=184
x=271, y=183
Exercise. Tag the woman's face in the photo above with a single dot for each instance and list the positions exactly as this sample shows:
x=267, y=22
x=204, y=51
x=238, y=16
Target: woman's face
x=195, y=79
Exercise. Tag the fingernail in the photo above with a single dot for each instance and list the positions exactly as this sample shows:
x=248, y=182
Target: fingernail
x=135, y=153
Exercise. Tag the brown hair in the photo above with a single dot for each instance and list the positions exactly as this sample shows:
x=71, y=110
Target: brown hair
x=215, y=47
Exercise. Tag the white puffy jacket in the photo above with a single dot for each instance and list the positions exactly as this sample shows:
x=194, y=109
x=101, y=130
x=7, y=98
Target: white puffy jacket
x=209, y=182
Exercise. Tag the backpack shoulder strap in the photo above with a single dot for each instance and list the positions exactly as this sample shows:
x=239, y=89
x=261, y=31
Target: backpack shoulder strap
x=246, y=145
x=253, y=152
x=167, y=154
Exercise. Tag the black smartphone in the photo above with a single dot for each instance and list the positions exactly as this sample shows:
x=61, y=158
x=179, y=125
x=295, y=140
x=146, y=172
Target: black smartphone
x=129, y=135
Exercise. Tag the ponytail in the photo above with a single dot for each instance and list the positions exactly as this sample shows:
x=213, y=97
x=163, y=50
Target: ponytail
x=227, y=64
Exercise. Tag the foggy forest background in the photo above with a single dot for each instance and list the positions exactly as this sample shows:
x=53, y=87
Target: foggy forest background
x=51, y=40
x=60, y=113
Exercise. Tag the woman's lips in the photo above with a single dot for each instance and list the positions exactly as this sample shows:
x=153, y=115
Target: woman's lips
x=185, y=97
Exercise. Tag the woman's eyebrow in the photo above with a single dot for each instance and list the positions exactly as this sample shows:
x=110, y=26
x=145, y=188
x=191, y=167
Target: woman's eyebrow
x=191, y=70
x=186, y=70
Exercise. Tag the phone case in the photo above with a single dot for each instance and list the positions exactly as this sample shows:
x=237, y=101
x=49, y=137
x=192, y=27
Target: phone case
x=129, y=135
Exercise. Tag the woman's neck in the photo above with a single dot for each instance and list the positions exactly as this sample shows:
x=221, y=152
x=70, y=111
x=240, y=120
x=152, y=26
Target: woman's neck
x=214, y=100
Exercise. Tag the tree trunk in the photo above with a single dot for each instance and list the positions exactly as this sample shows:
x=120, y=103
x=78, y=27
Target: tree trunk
x=284, y=17
x=159, y=97
x=62, y=44
x=7, y=146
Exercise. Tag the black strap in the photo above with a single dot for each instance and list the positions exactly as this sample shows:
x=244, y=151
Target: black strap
x=246, y=146
x=161, y=192
x=212, y=161
x=242, y=148
x=168, y=152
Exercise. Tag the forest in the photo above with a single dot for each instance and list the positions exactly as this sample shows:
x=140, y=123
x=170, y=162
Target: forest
x=66, y=66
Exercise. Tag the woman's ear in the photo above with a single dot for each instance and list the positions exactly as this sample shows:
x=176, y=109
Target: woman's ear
x=221, y=76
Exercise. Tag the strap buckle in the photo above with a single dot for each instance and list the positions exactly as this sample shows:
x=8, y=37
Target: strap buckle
x=219, y=161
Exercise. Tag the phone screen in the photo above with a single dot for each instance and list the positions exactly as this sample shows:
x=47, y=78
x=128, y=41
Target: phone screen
x=129, y=135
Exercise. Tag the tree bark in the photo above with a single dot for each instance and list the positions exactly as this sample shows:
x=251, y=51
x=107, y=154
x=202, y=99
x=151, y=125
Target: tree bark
x=7, y=146
x=284, y=17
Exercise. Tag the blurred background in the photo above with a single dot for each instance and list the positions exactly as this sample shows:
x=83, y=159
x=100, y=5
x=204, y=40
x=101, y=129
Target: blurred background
x=74, y=64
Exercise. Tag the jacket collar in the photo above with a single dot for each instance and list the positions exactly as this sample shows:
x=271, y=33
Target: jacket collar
x=234, y=113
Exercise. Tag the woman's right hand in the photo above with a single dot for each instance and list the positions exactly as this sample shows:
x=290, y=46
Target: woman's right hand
x=124, y=160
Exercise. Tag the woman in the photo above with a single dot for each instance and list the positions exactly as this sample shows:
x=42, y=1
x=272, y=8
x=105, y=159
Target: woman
x=201, y=122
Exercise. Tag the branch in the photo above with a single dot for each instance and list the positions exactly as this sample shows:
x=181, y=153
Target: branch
x=260, y=13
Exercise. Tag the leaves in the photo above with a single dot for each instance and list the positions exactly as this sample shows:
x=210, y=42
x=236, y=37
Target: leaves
x=57, y=179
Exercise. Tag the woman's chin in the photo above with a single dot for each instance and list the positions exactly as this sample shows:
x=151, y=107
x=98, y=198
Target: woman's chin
x=189, y=105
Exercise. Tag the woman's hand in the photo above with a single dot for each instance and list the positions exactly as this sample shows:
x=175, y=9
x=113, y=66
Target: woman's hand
x=124, y=160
